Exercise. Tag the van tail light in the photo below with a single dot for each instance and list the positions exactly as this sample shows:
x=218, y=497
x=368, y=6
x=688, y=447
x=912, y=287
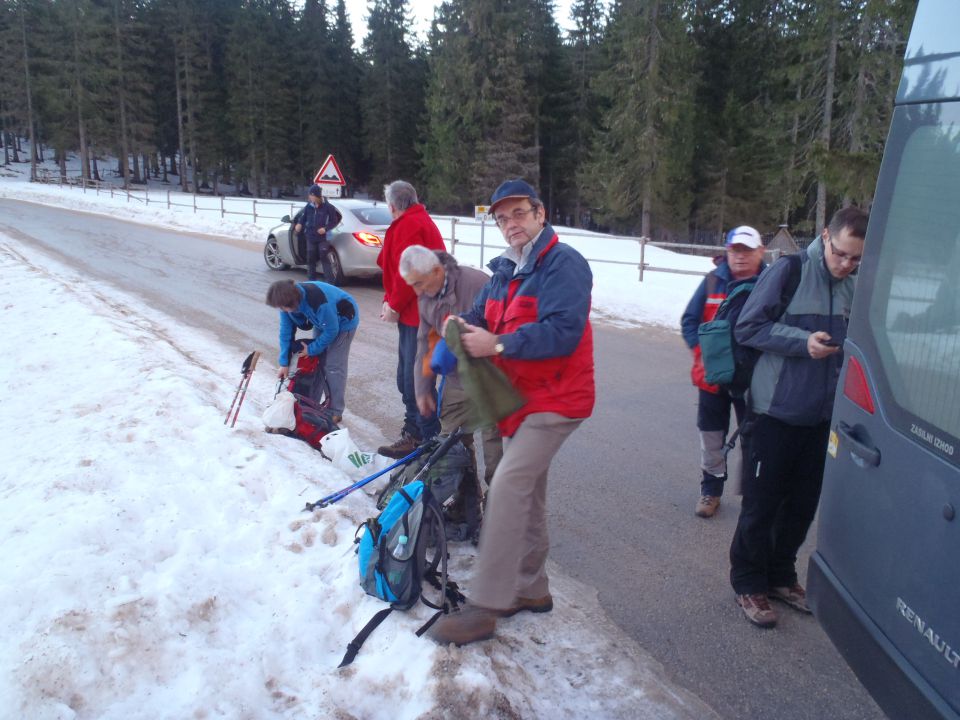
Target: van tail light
x=855, y=386
x=368, y=239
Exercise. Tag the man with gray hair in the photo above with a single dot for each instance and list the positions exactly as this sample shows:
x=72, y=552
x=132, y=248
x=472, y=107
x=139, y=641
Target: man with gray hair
x=444, y=288
x=411, y=226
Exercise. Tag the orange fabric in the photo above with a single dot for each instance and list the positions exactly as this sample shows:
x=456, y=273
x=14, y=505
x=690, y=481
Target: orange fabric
x=432, y=339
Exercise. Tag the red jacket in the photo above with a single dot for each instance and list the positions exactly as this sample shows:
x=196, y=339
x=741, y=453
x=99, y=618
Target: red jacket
x=542, y=315
x=414, y=227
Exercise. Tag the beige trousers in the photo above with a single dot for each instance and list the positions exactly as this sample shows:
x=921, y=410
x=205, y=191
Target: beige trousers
x=513, y=540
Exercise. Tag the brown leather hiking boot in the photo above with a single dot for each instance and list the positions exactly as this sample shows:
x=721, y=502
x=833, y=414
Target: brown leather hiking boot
x=707, y=506
x=757, y=609
x=794, y=596
x=471, y=624
x=401, y=448
x=534, y=605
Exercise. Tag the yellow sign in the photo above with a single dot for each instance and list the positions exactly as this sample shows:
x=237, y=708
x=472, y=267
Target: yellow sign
x=832, y=444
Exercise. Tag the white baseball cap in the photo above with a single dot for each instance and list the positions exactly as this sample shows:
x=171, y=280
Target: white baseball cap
x=744, y=235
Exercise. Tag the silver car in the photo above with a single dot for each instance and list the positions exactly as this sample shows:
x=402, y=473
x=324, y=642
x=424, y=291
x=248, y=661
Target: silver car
x=355, y=241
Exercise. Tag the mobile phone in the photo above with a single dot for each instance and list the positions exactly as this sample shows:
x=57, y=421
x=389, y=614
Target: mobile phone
x=830, y=343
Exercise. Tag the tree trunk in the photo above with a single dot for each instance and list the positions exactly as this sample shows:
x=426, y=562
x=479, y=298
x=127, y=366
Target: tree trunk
x=792, y=159
x=653, y=58
x=183, y=162
x=859, y=93
x=26, y=73
x=192, y=112
x=121, y=98
x=78, y=91
x=831, y=71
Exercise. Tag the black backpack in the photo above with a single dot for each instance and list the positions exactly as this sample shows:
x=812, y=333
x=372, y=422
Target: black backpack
x=726, y=362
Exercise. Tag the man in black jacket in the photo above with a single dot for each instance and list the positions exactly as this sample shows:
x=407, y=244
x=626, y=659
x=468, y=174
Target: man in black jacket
x=316, y=220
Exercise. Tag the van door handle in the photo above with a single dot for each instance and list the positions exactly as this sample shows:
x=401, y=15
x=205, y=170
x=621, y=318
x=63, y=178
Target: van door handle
x=869, y=455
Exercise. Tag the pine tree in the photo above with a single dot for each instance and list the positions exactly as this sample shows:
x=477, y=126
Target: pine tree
x=453, y=127
x=585, y=50
x=392, y=96
x=639, y=171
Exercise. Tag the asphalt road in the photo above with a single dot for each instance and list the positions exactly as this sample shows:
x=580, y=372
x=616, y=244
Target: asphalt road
x=622, y=489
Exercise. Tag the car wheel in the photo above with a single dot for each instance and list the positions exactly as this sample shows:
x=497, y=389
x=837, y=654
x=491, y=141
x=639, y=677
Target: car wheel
x=271, y=255
x=336, y=268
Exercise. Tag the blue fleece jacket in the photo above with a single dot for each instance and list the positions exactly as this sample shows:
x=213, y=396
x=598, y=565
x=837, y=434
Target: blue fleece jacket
x=326, y=309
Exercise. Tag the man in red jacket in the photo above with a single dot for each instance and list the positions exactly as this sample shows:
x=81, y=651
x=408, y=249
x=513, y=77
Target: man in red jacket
x=411, y=226
x=532, y=318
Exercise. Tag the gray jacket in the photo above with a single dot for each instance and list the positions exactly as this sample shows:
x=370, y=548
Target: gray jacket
x=787, y=383
x=461, y=287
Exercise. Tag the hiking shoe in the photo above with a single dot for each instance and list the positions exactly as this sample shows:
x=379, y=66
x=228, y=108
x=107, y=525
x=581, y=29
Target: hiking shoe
x=794, y=596
x=401, y=448
x=757, y=609
x=472, y=624
x=534, y=605
x=707, y=506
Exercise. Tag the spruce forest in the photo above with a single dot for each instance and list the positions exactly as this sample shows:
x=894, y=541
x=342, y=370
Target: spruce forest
x=674, y=119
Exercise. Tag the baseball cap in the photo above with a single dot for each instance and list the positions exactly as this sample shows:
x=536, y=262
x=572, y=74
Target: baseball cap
x=316, y=191
x=512, y=189
x=744, y=235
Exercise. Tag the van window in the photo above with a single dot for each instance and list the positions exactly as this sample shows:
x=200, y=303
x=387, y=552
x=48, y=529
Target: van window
x=916, y=324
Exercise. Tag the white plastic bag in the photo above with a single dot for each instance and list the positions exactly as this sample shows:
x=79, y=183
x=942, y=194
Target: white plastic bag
x=346, y=456
x=280, y=412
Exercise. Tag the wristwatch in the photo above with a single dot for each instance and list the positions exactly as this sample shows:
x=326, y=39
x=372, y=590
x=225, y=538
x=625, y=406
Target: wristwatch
x=498, y=348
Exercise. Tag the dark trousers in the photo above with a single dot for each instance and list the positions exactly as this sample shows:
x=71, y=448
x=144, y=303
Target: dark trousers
x=781, y=490
x=713, y=422
x=319, y=250
x=414, y=424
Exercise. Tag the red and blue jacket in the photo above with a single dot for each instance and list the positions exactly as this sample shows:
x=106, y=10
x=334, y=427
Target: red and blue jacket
x=542, y=316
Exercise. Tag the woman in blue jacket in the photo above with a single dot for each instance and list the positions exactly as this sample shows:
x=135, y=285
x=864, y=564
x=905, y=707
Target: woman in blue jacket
x=333, y=316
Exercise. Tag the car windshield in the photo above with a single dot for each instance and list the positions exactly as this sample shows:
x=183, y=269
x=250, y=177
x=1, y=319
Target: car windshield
x=373, y=215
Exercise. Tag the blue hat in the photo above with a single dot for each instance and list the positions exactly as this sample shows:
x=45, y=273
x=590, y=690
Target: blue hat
x=443, y=361
x=512, y=189
x=316, y=191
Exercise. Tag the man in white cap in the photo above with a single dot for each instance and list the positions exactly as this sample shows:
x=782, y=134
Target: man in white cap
x=743, y=262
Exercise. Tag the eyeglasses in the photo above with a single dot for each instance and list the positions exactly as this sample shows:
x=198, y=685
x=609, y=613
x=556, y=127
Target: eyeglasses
x=842, y=256
x=517, y=215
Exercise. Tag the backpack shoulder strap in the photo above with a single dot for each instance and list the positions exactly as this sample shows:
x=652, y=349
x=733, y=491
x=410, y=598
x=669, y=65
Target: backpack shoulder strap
x=353, y=647
x=712, y=281
x=795, y=261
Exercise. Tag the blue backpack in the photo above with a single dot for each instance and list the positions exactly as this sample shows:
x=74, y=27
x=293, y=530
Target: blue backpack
x=393, y=552
x=393, y=548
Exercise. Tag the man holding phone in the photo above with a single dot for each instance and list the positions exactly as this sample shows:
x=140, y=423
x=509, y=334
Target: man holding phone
x=791, y=400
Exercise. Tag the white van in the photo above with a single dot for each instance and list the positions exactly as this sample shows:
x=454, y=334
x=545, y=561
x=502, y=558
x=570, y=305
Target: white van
x=884, y=581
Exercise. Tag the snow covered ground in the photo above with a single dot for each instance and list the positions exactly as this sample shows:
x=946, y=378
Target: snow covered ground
x=158, y=564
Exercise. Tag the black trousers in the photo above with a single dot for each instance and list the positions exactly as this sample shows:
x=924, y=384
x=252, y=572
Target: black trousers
x=319, y=250
x=781, y=491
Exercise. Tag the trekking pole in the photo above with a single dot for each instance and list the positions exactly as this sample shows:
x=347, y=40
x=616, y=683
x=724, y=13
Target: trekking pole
x=243, y=371
x=342, y=493
x=249, y=365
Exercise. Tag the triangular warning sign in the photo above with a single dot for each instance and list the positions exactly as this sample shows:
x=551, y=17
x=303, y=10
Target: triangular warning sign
x=329, y=173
